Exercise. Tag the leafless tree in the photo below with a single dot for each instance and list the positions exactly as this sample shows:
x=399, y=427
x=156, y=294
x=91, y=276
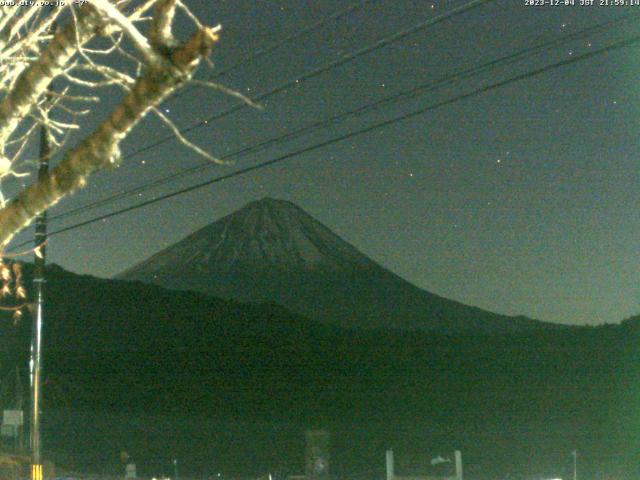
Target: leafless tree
x=75, y=44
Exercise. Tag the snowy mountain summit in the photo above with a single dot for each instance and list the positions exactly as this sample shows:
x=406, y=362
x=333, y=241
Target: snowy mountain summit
x=264, y=234
x=273, y=251
x=276, y=233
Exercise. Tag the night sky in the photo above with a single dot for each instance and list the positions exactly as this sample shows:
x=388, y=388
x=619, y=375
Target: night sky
x=520, y=200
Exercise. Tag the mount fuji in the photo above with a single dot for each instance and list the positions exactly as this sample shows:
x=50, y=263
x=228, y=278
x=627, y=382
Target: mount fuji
x=271, y=250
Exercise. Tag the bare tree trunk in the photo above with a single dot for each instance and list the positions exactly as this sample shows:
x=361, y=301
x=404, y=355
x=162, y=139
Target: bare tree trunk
x=33, y=82
x=101, y=148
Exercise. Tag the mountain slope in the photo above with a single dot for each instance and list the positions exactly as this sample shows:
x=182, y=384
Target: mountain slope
x=128, y=362
x=271, y=250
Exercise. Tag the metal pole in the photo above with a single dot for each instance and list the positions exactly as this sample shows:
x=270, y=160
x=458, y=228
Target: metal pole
x=38, y=320
x=458, y=457
x=389, y=462
x=175, y=468
x=575, y=465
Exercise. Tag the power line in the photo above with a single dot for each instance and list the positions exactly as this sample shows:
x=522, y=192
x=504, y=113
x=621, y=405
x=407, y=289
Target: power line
x=315, y=72
x=274, y=46
x=615, y=46
x=288, y=39
x=322, y=69
x=412, y=93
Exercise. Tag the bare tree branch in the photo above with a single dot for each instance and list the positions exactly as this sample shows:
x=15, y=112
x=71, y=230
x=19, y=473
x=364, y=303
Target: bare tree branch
x=140, y=41
x=34, y=81
x=160, y=32
x=100, y=149
x=182, y=139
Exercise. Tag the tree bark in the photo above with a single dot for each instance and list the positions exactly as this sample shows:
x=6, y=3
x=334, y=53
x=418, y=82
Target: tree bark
x=34, y=81
x=101, y=149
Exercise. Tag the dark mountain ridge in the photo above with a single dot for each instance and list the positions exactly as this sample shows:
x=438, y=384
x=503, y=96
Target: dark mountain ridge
x=124, y=361
x=272, y=251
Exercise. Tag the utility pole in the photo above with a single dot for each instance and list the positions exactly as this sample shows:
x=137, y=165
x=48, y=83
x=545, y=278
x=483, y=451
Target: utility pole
x=389, y=463
x=20, y=408
x=458, y=456
x=38, y=320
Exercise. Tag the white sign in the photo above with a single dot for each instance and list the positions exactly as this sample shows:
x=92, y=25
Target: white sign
x=130, y=471
x=12, y=417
